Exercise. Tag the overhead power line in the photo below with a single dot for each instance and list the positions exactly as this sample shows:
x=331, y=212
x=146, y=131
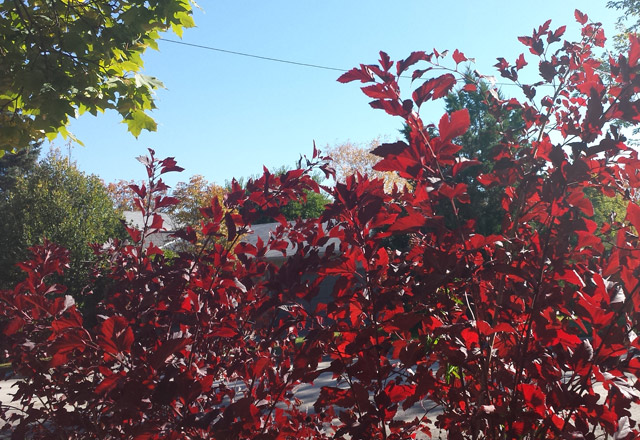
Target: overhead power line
x=279, y=60
x=232, y=52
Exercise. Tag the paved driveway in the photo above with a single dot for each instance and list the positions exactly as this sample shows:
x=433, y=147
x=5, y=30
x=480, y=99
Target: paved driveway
x=309, y=394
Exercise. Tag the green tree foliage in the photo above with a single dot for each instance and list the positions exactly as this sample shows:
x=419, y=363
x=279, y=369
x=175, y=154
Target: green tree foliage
x=57, y=201
x=606, y=210
x=61, y=58
x=312, y=206
x=484, y=205
x=628, y=22
x=485, y=132
x=13, y=166
x=488, y=127
x=192, y=196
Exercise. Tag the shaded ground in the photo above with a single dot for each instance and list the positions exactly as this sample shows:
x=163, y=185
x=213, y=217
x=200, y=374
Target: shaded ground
x=308, y=394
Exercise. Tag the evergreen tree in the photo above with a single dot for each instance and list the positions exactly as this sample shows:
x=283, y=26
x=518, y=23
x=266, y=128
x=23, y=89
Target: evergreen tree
x=16, y=165
x=485, y=132
x=478, y=143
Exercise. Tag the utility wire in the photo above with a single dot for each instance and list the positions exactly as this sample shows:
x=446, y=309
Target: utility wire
x=232, y=52
x=278, y=60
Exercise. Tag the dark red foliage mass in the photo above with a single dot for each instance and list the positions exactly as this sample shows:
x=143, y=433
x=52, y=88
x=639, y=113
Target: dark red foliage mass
x=525, y=334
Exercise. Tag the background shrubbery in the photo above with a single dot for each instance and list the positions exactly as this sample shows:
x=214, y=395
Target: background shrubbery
x=51, y=198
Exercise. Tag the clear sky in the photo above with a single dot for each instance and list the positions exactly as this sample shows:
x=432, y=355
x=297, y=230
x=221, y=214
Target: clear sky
x=225, y=116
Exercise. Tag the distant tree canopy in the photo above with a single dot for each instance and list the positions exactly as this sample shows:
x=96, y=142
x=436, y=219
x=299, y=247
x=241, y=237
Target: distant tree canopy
x=64, y=58
x=350, y=158
x=121, y=195
x=311, y=207
x=56, y=201
x=192, y=196
x=629, y=20
x=198, y=192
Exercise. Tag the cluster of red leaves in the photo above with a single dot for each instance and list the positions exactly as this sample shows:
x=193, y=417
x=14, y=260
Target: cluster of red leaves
x=525, y=334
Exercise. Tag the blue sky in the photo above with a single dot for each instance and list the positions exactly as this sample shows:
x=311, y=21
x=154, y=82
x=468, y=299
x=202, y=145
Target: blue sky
x=225, y=116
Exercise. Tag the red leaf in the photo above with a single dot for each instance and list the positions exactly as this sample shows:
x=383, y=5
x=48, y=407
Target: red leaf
x=214, y=211
x=444, y=84
x=169, y=164
x=547, y=70
x=580, y=17
x=470, y=338
x=14, y=325
x=463, y=164
x=140, y=191
x=535, y=45
x=279, y=245
x=452, y=192
x=157, y=222
x=152, y=249
x=398, y=393
x=571, y=276
x=259, y=366
x=389, y=149
x=527, y=41
x=231, y=227
x=385, y=61
x=292, y=175
x=362, y=74
x=246, y=248
x=378, y=91
x=392, y=107
x=116, y=335
x=588, y=239
x=419, y=72
x=487, y=330
x=160, y=186
x=534, y=398
x=454, y=125
x=520, y=62
x=135, y=234
x=403, y=65
x=332, y=396
x=458, y=57
x=410, y=222
x=163, y=202
x=108, y=383
x=578, y=200
x=544, y=28
x=224, y=332
x=434, y=88
x=555, y=36
x=470, y=88
x=68, y=342
x=382, y=259
x=166, y=350
x=73, y=320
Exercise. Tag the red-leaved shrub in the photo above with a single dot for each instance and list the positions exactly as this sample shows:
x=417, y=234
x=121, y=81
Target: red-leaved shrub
x=528, y=333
